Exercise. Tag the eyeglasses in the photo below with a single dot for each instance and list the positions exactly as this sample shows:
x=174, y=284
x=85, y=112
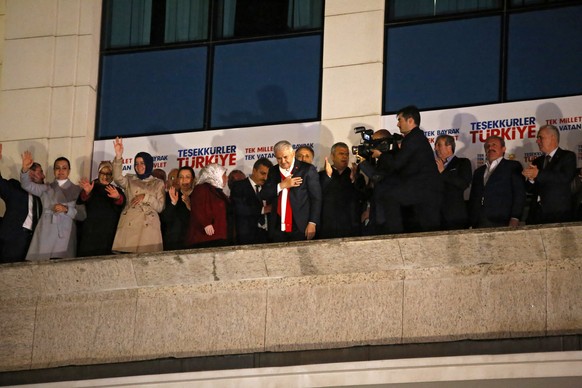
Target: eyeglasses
x=105, y=173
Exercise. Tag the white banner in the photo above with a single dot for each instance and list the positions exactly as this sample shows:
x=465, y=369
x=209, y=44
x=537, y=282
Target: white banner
x=239, y=148
x=516, y=122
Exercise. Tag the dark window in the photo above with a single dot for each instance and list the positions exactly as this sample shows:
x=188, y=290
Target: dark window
x=545, y=54
x=446, y=53
x=443, y=64
x=266, y=82
x=152, y=92
x=172, y=66
x=131, y=23
x=410, y=9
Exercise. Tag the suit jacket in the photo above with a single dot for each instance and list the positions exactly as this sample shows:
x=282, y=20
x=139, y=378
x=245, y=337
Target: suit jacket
x=502, y=198
x=552, y=186
x=248, y=211
x=456, y=178
x=340, y=213
x=305, y=199
x=12, y=246
x=414, y=165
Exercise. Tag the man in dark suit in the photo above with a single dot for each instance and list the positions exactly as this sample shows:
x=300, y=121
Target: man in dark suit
x=22, y=214
x=456, y=174
x=498, y=191
x=549, y=179
x=340, y=214
x=418, y=186
x=293, y=189
x=250, y=210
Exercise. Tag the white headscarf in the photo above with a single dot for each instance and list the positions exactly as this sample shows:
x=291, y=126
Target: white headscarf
x=212, y=174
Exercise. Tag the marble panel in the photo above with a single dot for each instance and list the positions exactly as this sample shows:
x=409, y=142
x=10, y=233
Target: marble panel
x=19, y=280
x=324, y=312
x=338, y=7
x=360, y=83
x=474, y=302
x=84, y=111
x=64, y=277
x=66, y=58
x=353, y=39
x=83, y=328
x=68, y=17
x=81, y=147
x=30, y=18
x=187, y=321
x=179, y=267
x=25, y=113
x=88, y=61
x=28, y=63
x=325, y=257
x=562, y=243
x=565, y=295
x=17, y=327
x=470, y=247
x=62, y=111
x=90, y=19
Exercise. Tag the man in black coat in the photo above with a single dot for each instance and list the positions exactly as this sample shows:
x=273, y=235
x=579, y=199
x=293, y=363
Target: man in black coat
x=549, y=179
x=498, y=190
x=250, y=210
x=456, y=174
x=418, y=186
x=340, y=207
x=22, y=214
x=293, y=189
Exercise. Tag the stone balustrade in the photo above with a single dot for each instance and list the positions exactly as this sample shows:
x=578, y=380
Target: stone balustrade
x=432, y=287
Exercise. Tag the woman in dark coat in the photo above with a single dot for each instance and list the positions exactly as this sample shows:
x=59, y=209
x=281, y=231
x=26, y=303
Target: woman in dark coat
x=176, y=215
x=103, y=203
x=210, y=212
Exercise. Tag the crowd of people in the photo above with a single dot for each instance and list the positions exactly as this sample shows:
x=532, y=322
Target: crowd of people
x=410, y=187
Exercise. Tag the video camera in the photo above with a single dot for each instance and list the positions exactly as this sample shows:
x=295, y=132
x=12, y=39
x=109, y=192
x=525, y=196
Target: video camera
x=367, y=144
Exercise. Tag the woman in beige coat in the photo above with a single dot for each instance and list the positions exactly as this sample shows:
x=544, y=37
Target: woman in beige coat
x=139, y=225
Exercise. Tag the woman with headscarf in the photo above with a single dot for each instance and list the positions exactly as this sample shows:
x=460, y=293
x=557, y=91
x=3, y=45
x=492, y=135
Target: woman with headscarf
x=139, y=225
x=210, y=212
x=55, y=236
x=103, y=203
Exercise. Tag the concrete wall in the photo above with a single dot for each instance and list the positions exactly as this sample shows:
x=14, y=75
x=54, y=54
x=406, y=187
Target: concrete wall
x=473, y=284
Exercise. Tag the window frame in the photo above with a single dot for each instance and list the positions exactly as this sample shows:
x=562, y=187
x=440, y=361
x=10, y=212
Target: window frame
x=211, y=42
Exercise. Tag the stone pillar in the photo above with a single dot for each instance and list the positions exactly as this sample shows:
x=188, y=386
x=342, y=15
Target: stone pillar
x=49, y=73
x=352, y=70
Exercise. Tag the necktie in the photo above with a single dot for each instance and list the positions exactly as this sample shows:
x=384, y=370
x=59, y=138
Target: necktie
x=546, y=161
x=36, y=209
x=262, y=216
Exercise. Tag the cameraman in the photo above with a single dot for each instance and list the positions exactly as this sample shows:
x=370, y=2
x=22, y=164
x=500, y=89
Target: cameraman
x=413, y=181
x=373, y=217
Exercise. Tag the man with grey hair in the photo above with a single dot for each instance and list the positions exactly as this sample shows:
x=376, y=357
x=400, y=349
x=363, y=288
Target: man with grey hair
x=340, y=214
x=293, y=189
x=548, y=180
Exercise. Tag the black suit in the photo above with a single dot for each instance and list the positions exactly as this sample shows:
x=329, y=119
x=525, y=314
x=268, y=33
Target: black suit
x=14, y=239
x=552, y=186
x=248, y=213
x=502, y=198
x=456, y=178
x=305, y=201
x=417, y=184
x=340, y=213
